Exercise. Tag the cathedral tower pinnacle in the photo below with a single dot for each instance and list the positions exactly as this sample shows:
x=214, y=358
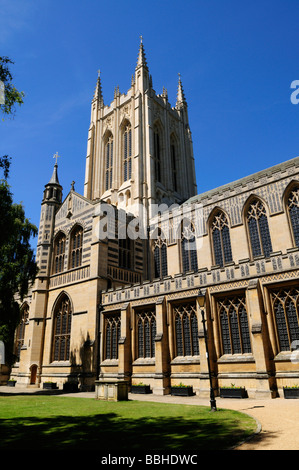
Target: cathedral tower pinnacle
x=139, y=150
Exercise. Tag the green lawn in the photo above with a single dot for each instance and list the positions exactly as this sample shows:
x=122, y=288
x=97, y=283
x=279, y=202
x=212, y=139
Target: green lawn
x=67, y=423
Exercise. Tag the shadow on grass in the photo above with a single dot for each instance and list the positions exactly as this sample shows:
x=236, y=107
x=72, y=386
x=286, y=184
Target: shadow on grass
x=110, y=432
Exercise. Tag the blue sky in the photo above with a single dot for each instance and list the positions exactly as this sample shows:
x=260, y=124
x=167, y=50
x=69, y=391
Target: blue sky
x=237, y=61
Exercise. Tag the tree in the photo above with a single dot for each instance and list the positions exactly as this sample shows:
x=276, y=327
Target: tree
x=11, y=95
x=18, y=268
x=17, y=264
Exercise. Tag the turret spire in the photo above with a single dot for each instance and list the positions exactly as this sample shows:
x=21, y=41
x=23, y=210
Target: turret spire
x=54, y=178
x=98, y=95
x=180, y=94
x=141, y=61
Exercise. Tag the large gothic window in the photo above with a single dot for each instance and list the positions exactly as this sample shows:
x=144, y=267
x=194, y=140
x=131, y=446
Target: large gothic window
x=59, y=253
x=173, y=156
x=76, y=247
x=109, y=162
x=293, y=208
x=188, y=248
x=285, y=306
x=112, y=335
x=127, y=136
x=20, y=331
x=62, y=330
x=235, y=334
x=221, y=239
x=157, y=155
x=258, y=228
x=146, y=332
x=125, y=253
x=160, y=255
x=186, y=330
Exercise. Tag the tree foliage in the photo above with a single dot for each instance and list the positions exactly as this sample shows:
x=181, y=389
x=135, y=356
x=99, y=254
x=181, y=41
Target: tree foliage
x=11, y=95
x=18, y=268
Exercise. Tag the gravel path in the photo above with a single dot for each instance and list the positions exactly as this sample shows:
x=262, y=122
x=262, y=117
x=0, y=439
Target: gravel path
x=277, y=419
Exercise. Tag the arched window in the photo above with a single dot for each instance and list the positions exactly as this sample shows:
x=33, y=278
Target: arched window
x=285, y=305
x=76, y=247
x=127, y=136
x=125, y=253
x=62, y=330
x=59, y=253
x=221, y=239
x=188, y=247
x=258, y=228
x=146, y=332
x=173, y=157
x=20, y=331
x=293, y=208
x=234, y=325
x=186, y=330
x=109, y=162
x=157, y=155
x=160, y=255
x=112, y=335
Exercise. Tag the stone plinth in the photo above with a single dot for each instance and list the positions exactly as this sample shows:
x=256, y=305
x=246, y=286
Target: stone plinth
x=111, y=390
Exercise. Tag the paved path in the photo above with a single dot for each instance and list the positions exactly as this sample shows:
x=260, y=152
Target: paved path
x=277, y=419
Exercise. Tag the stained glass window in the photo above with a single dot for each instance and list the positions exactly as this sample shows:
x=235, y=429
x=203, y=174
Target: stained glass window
x=59, y=253
x=186, y=330
x=62, y=330
x=286, y=313
x=293, y=206
x=146, y=332
x=112, y=335
x=258, y=229
x=157, y=155
x=173, y=165
x=234, y=325
x=127, y=153
x=160, y=255
x=221, y=239
x=20, y=331
x=76, y=247
x=109, y=162
x=125, y=252
x=188, y=248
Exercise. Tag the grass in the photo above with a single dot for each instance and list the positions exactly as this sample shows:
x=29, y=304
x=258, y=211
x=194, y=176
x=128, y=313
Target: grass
x=73, y=423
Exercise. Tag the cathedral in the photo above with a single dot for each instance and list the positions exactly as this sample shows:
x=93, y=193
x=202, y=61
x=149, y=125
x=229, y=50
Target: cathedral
x=130, y=272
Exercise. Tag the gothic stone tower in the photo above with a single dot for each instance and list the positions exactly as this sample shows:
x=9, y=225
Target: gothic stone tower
x=139, y=154
x=139, y=148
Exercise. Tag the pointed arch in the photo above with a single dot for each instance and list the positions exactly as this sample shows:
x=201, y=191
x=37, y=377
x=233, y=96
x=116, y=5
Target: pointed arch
x=188, y=246
x=291, y=205
x=256, y=222
x=285, y=310
x=62, y=323
x=126, y=149
x=158, y=150
x=219, y=228
x=20, y=331
x=108, y=158
x=174, y=161
x=76, y=244
x=160, y=253
x=59, y=252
